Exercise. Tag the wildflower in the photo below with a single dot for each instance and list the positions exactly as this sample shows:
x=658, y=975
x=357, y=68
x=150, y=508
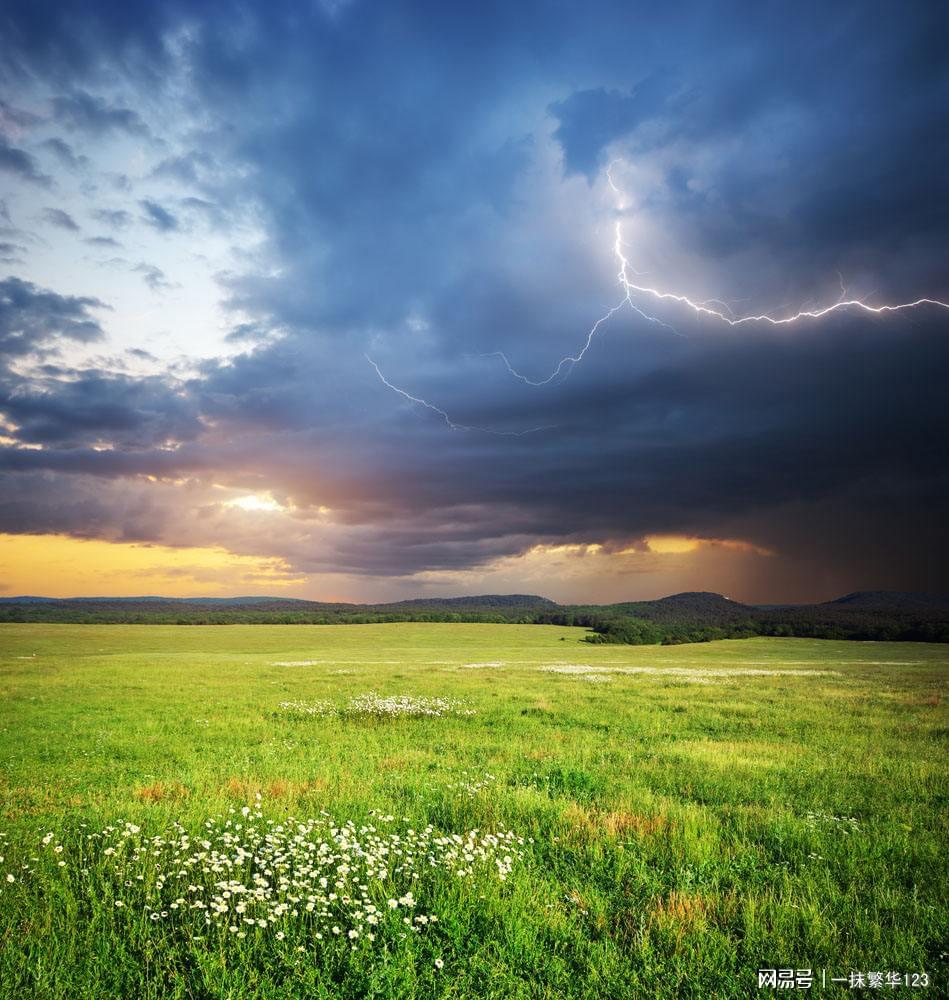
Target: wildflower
x=377, y=706
x=439, y=963
x=269, y=873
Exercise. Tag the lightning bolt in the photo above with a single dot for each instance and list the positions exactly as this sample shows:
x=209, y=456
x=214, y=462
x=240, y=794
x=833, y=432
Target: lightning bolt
x=706, y=307
x=572, y=359
x=451, y=424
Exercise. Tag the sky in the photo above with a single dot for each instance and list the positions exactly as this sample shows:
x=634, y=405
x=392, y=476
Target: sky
x=352, y=300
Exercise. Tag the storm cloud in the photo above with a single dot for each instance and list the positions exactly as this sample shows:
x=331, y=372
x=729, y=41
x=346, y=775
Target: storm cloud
x=32, y=318
x=428, y=186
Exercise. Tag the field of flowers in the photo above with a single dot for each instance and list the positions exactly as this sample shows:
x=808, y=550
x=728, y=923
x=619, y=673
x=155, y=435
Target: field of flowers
x=429, y=811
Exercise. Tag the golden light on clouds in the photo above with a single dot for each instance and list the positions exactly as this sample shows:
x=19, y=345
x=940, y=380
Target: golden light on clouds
x=640, y=569
x=62, y=566
x=671, y=544
x=255, y=502
x=665, y=545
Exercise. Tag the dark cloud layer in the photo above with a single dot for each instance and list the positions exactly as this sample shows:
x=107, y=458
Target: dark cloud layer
x=89, y=407
x=81, y=111
x=158, y=216
x=65, y=153
x=14, y=160
x=33, y=318
x=61, y=219
x=431, y=182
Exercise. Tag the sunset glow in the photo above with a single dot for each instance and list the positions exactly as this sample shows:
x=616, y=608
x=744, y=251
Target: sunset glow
x=60, y=566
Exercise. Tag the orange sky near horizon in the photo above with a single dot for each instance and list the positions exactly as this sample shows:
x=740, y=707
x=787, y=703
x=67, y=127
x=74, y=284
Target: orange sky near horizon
x=63, y=566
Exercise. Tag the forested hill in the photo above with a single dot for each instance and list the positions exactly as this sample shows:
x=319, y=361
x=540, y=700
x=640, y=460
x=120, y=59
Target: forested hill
x=196, y=610
x=876, y=615
x=690, y=617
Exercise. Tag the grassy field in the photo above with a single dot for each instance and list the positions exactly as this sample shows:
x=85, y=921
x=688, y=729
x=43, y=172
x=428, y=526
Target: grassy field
x=666, y=819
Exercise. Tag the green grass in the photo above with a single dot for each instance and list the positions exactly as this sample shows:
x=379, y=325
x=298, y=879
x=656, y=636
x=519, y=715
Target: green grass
x=672, y=854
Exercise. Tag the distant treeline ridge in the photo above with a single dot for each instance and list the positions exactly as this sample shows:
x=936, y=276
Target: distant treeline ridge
x=694, y=617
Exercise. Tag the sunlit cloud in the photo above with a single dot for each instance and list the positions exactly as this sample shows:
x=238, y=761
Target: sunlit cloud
x=255, y=502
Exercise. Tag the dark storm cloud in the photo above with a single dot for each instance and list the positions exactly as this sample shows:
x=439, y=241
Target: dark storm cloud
x=590, y=119
x=158, y=216
x=32, y=317
x=87, y=407
x=83, y=112
x=41, y=502
x=21, y=164
x=430, y=181
x=67, y=45
x=65, y=153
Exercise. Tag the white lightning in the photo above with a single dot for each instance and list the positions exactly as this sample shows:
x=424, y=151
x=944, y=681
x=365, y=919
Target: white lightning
x=705, y=309
x=626, y=300
x=452, y=425
x=724, y=313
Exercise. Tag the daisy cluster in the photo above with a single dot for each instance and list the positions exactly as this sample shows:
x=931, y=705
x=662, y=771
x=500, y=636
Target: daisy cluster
x=471, y=784
x=245, y=875
x=303, y=708
x=846, y=823
x=377, y=706
x=393, y=706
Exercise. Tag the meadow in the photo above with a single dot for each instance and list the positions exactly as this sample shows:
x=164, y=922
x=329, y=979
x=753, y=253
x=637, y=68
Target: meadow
x=465, y=811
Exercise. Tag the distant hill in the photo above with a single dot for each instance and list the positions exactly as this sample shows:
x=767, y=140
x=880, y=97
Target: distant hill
x=874, y=600
x=482, y=601
x=693, y=606
x=688, y=617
